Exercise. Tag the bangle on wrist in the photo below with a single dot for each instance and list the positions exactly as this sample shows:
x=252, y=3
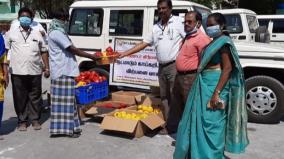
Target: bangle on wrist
x=217, y=91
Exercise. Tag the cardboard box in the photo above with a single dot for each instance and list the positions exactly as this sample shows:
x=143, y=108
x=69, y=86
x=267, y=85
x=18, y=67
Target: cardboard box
x=129, y=97
x=135, y=128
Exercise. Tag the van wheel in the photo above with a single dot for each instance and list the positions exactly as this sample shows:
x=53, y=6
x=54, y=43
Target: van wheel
x=264, y=99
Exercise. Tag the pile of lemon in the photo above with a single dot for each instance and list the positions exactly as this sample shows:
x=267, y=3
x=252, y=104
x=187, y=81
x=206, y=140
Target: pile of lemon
x=148, y=109
x=132, y=116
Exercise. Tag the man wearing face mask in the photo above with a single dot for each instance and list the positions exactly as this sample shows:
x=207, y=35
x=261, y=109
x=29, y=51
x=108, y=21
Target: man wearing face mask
x=186, y=64
x=28, y=60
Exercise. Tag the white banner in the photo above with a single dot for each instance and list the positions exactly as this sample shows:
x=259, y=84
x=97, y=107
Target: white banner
x=138, y=70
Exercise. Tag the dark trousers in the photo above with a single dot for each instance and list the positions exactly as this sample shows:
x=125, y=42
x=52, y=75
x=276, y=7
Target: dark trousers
x=166, y=75
x=182, y=86
x=27, y=96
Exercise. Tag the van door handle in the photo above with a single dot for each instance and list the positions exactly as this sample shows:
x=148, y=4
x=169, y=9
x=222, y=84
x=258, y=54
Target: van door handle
x=274, y=36
x=110, y=40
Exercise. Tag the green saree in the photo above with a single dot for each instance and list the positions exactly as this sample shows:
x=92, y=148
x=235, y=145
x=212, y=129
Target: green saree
x=204, y=133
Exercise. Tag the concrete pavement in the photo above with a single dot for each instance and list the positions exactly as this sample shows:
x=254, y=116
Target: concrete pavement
x=266, y=141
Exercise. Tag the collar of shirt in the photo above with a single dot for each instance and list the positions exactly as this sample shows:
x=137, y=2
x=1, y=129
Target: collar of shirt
x=169, y=21
x=194, y=34
x=23, y=30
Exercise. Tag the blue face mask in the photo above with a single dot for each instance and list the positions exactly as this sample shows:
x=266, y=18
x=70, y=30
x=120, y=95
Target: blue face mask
x=25, y=21
x=213, y=31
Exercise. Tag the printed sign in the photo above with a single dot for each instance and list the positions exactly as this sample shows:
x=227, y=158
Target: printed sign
x=139, y=70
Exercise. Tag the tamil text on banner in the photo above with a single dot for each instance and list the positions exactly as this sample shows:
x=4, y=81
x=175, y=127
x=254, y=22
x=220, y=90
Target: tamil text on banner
x=138, y=70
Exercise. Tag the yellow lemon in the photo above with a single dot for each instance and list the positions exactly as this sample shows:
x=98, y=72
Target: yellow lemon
x=150, y=109
x=141, y=111
x=128, y=116
x=116, y=114
x=140, y=107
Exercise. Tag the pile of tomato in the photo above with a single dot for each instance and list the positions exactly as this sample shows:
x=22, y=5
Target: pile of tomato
x=87, y=77
x=107, y=53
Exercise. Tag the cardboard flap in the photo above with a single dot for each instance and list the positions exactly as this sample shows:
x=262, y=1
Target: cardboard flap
x=117, y=124
x=129, y=97
x=147, y=100
x=153, y=121
x=92, y=111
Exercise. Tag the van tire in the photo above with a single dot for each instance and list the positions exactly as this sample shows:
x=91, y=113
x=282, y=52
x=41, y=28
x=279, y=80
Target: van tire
x=262, y=35
x=264, y=99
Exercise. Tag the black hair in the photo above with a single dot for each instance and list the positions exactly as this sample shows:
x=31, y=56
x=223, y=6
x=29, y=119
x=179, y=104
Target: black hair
x=221, y=20
x=60, y=13
x=169, y=3
x=198, y=16
x=25, y=9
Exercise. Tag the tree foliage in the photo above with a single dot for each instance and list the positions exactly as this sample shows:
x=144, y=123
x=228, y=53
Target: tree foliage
x=45, y=7
x=208, y=3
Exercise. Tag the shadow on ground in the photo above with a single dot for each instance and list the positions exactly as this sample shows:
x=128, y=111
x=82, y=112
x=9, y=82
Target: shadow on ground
x=10, y=125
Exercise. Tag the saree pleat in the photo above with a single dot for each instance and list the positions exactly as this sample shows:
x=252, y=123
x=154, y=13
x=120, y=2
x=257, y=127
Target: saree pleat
x=204, y=133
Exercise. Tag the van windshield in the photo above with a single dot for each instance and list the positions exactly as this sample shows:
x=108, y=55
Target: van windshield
x=86, y=22
x=234, y=23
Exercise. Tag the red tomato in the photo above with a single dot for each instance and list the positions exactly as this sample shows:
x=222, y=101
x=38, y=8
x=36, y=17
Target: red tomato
x=109, y=49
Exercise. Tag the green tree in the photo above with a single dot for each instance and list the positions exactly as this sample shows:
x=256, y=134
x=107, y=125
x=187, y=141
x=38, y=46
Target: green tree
x=207, y=2
x=45, y=7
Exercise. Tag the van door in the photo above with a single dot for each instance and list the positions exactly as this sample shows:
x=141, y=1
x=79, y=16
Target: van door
x=277, y=30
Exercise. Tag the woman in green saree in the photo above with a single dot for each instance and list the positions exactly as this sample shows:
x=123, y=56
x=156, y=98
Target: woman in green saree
x=215, y=117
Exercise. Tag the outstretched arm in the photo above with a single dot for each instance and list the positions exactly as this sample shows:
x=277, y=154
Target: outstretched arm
x=133, y=50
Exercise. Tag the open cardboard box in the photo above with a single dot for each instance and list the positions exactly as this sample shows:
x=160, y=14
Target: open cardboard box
x=135, y=128
x=129, y=97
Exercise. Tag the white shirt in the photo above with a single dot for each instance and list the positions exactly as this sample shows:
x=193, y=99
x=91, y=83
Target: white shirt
x=25, y=51
x=167, y=39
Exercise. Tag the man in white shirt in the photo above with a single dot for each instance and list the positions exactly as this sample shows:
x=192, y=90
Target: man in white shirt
x=27, y=56
x=166, y=36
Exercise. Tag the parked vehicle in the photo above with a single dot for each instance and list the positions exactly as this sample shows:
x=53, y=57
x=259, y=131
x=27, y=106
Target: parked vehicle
x=93, y=24
x=44, y=22
x=242, y=24
x=275, y=25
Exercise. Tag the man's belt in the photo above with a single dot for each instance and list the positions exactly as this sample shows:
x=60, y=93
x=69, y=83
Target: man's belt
x=187, y=72
x=166, y=64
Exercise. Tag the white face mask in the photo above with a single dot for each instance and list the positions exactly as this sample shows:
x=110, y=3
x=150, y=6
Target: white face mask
x=194, y=30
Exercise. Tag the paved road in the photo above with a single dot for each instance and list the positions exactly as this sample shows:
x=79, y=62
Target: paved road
x=266, y=142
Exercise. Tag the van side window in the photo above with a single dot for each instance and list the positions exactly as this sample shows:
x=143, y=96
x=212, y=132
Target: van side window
x=278, y=26
x=234, y=23
x=176, y=12
x=126, y=22
x=86, y=22
x=252, y=23
x=263, y=22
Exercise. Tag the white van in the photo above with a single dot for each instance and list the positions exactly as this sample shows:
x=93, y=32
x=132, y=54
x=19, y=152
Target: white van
x=44, y=22
x=93, y=24
x=275, y=25
x=241, y=23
